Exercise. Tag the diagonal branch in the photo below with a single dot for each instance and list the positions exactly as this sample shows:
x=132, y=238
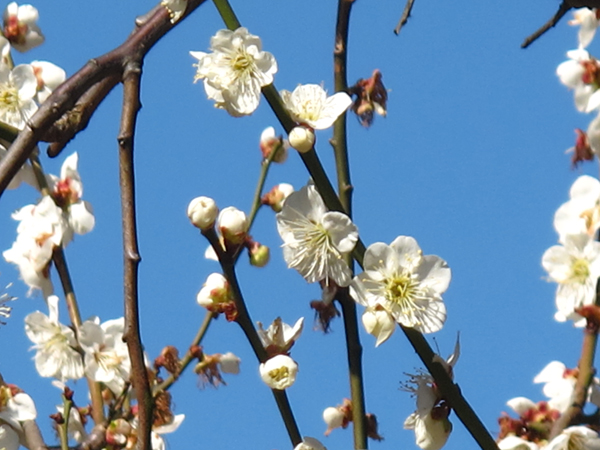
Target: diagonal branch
x=562, y=10
x=405, y=15
x=148, y=31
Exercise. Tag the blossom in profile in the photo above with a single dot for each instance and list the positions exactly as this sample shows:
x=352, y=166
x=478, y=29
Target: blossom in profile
x=20, y=27
x=279, y=372
x=176, y=8
x=55, y=344
x=575, y=266
x=309, y=104
x=49, y=76
x=581, y=73
x=315, y=240
x=406, y=284
x=279, y=337
x=67, y=191
x=235, y=70
x=18, y=88
x=587, y=20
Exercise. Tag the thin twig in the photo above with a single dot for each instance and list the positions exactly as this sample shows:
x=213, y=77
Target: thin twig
x=562, y=10
x=131, y=256
x=405, y=15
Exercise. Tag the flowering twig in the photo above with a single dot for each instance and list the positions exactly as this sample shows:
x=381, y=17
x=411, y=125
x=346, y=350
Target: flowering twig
x=148, y=31
x=405, y=15
x=245, y=322
x=139, y=373
x=189, y=356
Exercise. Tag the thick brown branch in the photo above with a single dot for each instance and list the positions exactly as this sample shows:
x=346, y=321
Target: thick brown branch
x=132, y=336
x=143, y=38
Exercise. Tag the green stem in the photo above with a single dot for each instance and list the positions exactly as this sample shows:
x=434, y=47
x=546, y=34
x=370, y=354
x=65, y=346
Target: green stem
x=63, y=429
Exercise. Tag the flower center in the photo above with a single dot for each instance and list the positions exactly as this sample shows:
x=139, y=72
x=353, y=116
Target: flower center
x=242, y=64
x=9, y=97
x=580, y=270
x=311, y=110
x=279, y=374
x=401, y=290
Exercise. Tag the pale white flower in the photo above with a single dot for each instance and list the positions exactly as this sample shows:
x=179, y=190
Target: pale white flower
x=16, y=408
x=158, y=443
x=233, y=224
x=575, y=266
x=279, y=372
x=430, y=433
x=581, y=214
x=399, y=279
x=302, y=139
x=516, y=443
x=587, y=19
x=315, y=240
x=310, y=105
x=578, y=73
x=24, y=175
x=215, y=290
x=54, y=344
x=176, y=8
x=49, y=76
x=334, y=418
x=229, y=363
x=20, y=27
x=202, y=212
x=575, y=438
x=309, y=443
x=235, y=71
x=106, y=355
x=379, y=323
x=279, y=337
x=18, y=88
x=67, y=192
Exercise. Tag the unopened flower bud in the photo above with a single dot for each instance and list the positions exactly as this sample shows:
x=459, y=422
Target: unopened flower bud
x=215, y=290
x=202, y=212
x=259, y=255
x=270, y=143
x=276, y=196
x=378, y=323
x=309, y=443
x=229, y=363
x=302, y=139
x=279, y=372
x=333, y=417
x=233, y=225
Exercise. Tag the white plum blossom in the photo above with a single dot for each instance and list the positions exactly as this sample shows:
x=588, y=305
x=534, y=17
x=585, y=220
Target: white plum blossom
x=233, y=224
x=310, y=105
x=587, y=19
x=20, y=26
x=578, y=73
x=516, y=443
x=215, y=290
x=203, y=212
x=379, y=323
x=309, y=443
x=575, y=266
x=18, y=87
x=279, y=337
x=575, y=438
x=158, y=443
x=235, y=71
x=315, y=240
x=24, y=175
x=176, y=8
x=106, y=355
x=581, y=214
x=279, y=372
x=229, y=363
x=54, y=344
x=49, y=76
x=41, y=229
x=67, y=192
x=404, y=283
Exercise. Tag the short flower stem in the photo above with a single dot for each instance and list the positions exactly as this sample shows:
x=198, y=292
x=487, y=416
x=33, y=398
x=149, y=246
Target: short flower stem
x=188, y=358
x=63, y=429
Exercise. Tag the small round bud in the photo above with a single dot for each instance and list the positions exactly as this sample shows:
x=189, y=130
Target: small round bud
x=333, y=417
x=215, y=290
x=233, y=225
x=259, y=255
x=202, y=212
x=302, y=139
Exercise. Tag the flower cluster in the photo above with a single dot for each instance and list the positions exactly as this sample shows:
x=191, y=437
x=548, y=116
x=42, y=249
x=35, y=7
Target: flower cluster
x=575, y=263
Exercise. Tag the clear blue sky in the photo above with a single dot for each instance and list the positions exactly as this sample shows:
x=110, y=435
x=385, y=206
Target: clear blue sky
x=470, y=161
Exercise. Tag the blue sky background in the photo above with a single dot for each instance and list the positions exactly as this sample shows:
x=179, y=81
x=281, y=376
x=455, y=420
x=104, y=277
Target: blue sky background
x=470, y=161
